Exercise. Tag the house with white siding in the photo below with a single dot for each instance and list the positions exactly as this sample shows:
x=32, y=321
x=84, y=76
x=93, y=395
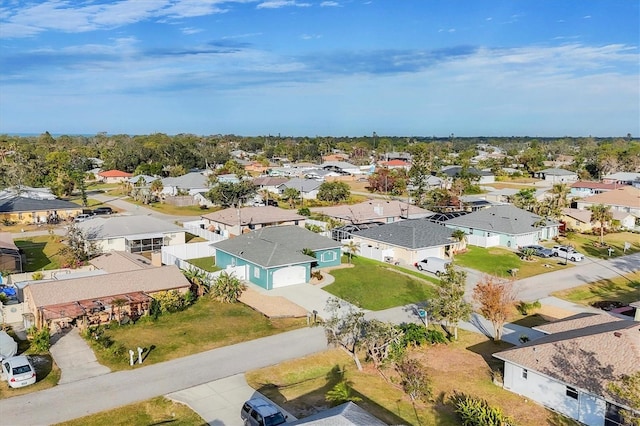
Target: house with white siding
x=504, y=225
x=570, y=369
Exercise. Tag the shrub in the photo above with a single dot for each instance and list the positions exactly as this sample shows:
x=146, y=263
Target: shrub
x=477, y=412
x=415, y=381
x=436, y=337
x=41, y=340
x=170, y=301
x=317, y=275
x=413, y=334
x=524, y=308
x=37, y=276
x=340, y=394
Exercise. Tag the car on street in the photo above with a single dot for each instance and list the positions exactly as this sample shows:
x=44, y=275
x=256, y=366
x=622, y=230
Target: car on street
x=260, y=412
x=102, y=210
x=82, y=217
x=538, y=250
x=567, y=252
x=18, y=371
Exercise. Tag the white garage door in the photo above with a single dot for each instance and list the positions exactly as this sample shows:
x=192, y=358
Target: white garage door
x=289, y=276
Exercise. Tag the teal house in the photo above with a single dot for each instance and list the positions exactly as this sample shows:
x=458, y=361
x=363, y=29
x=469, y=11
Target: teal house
x=275, y=256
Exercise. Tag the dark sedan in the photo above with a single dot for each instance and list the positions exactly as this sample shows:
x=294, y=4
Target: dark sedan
x=538, y=250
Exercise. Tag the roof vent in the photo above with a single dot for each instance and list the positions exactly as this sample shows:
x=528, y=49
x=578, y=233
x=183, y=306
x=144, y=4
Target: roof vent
x=617, y=334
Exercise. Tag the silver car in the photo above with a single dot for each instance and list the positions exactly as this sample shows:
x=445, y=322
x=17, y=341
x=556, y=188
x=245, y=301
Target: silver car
x=18, y=371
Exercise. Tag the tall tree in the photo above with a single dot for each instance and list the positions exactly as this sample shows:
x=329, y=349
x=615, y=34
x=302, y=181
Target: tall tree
x=231, y=194
x=378, y=339
x=344, y=327
x=292, y=195
x=602, y=215
x=334, y=192
x=449, y=304
x=495, y=297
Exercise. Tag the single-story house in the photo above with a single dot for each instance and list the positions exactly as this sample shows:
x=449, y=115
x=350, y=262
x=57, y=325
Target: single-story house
x=623, y=199
x=554, y=175
x=308, y=188
x=580, y=220
x=395, y=164
x=28, y=192
x=482, y=175
x=11, y=257
x=142, y=180
x=274, y=255
x=406, y=241
x=231, y=222
x=114, y=176
x=504, y=195
x=622, y=178
x=133, y=234
x=504, y=225
x=321, y=174
x=191, y=183
x=347, y=414
x=91, y=299
x=370, y=211
x=585, y=188
x=570, y=369
x=27, y=210
x=269, y=183
x=342, y=167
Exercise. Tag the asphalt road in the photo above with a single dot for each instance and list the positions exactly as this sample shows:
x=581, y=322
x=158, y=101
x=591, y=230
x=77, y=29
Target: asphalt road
x=77, y=399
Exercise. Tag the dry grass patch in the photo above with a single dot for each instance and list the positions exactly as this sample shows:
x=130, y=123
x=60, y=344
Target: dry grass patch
x=621, y=289
x=467, y=365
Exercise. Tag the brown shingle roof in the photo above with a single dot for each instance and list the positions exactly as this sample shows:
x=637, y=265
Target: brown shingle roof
x=253, y=215
x=576, y=322
x=588, y=358
x=372, y=211
x=627, y=196
x=99, y=286
x=594, y=185
x=120, y=261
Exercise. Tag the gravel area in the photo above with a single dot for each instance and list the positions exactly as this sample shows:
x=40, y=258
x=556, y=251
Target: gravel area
x=271, y=306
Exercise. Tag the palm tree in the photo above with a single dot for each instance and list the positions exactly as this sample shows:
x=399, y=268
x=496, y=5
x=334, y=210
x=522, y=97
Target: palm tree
x=291, y=195
x=156, y=187
x=461, y=237
x=351, y=248
x=601, y=214
x=199, y=280
x=227, y=288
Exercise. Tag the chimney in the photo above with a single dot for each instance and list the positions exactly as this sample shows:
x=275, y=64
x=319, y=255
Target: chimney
x=156, y=258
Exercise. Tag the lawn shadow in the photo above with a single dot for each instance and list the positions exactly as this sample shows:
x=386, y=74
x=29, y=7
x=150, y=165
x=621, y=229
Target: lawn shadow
x=146, y=352
x=36, y=258
x=486, y=350
x=43, y=364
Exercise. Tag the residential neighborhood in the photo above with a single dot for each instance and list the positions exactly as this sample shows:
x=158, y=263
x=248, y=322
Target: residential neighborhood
x=264, y=268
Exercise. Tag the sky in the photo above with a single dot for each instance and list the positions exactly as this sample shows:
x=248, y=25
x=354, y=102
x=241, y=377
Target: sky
x=545, y=68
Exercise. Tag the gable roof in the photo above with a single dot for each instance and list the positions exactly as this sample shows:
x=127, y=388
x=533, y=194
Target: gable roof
x=269, y=181
x=373, y=211
x=99, y=228
x=115, y=173
x=6, y=242
x=253, y=215
x=594, y=185
x=557, y=172
x=342, y=165
x=120, y=261
x=585, y=215
x=453, y=171
x=587, y=357
x=302, y=185
x=188, y=181
x=505, y=219
x=276, y=245
x=627, y=196
x=347, y=414
x=25, y=204
x=148, y=280
x=412, y=234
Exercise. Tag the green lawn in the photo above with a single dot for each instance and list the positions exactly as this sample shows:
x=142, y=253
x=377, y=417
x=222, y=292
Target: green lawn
x=41, y=251
x=587, y=244
x=376, y=286
x=621, y=289
x=499, y=261
x=154, y=411
x=206, y=263
x=206, y=325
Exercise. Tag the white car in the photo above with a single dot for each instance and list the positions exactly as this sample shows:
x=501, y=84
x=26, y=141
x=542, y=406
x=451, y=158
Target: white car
x=82, y=217
x=18, y=371
x=567, y=252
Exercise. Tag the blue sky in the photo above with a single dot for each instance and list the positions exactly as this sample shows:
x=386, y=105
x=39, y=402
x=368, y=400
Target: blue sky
x=328, y=68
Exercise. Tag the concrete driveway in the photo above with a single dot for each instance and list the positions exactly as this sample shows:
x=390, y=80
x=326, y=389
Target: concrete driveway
x=75, y=358
x=219, y=402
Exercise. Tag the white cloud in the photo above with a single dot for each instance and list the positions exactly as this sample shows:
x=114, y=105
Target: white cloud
x=277, y=4
x=191, y=30
x=586, y=17
x=330, y=4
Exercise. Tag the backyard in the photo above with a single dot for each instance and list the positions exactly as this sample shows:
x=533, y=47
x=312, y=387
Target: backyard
x=499, y=261
x=466, y=365
x=376, y=286
x=41, y=252
x=205, y=325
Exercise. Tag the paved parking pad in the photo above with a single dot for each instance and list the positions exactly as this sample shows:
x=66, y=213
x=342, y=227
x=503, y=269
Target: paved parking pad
x=219, y=402
x=75, y=358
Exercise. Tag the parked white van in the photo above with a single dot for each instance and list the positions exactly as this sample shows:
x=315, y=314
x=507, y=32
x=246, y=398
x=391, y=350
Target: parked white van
x=435, y=265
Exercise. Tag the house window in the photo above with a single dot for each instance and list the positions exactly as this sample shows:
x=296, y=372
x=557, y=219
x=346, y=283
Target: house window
x=525, y=373
x=572, y=392
x=256, y=272
x=612, y=416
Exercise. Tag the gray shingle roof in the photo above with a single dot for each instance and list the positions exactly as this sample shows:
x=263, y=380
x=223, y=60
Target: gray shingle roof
x=190, y=180
x=24, y=204
x=412, y=233
x=302, y=185
x=276, y=245
x=98, y=228
x=557, y=172
x=347, y=414
x=505, y=219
